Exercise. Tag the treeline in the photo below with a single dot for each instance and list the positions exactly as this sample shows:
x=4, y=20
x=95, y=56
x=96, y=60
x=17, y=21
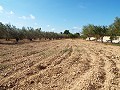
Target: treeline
x=99, y=32
x=8, y=31
x=71, y=35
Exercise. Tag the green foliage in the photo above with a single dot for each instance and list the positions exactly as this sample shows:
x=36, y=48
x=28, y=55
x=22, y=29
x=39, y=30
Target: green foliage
x=9, y=31
x=77, y=35
x=88, y=31
x=73, y=36
x=95, y=31
x=114, y=29
x=100, y=32
x=112, y=33
x=116, y=25
x=3, y=31
x=66, y=32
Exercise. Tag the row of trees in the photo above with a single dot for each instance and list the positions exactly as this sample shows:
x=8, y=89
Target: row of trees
x=71, y=35
x=8, y=31
x=99, y=32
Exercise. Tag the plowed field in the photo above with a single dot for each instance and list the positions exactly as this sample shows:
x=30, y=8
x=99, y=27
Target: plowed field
x=60, y=65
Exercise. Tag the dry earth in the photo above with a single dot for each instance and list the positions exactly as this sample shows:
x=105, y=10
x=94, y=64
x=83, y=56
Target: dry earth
x=60, y=65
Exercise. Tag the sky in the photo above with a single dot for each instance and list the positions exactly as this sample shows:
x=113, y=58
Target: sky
x=59, y=15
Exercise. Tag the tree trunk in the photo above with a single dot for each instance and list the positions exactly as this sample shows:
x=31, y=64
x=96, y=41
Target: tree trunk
x=17, y=39
x=111, y=41
x=30, y=39
x=102, y=39
x=89, y=38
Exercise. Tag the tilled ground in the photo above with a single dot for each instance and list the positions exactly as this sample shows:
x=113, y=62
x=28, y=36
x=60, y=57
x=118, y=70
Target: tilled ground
x=60, y=65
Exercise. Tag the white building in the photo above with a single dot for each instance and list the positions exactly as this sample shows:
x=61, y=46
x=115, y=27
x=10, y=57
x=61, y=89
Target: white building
x=106, y=39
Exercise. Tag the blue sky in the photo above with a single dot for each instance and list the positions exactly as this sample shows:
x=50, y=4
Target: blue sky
x=58, y=15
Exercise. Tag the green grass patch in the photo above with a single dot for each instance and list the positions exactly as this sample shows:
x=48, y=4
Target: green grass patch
x=116, y=44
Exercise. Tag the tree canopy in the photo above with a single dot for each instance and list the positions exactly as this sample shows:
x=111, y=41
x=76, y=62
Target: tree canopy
x=99, y=32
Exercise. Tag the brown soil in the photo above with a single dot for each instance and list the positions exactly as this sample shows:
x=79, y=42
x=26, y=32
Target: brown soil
x=60, y=65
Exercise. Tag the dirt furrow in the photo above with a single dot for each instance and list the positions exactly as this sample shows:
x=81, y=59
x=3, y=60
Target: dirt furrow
x=32, y=70
x=60, y=65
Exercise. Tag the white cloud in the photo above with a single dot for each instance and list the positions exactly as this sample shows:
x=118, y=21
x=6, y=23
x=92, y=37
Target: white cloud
x=11, y=12
x=27, y=17
x=53, y=29
x=35, y=23
x=1, y=9
x=32, y=17
x=76, y=27
x=4, y=22
x=23, y=17
x=6, y=12
x=48, y=25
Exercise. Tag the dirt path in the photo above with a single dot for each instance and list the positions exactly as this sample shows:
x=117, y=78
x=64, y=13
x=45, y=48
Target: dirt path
x=60, y=65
